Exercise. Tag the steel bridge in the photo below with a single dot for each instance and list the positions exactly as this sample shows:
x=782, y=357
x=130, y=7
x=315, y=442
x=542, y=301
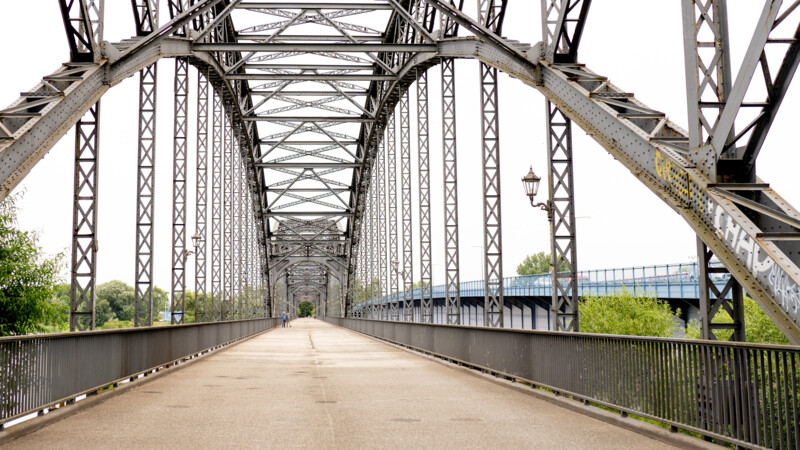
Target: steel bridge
x=305, y=112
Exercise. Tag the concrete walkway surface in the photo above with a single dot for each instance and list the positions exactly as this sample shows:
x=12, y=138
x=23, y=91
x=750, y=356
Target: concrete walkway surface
x=318, y=386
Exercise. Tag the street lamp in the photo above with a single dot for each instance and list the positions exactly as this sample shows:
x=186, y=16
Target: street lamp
x=531, y=184
x=196, y=241
x=396, y=267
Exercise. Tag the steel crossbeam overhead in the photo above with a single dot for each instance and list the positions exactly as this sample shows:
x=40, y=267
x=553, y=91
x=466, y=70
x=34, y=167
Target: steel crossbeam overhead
x=426, y=304
x=145, y=198
x=84, y=222
x=450, y=181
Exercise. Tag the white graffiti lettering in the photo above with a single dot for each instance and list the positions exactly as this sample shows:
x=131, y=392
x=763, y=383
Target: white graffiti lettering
x=784, y=290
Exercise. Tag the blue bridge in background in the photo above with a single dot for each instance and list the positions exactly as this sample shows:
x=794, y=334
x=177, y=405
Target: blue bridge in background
x=527, y=297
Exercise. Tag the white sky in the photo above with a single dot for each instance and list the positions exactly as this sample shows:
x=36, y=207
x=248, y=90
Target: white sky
x=637, y=44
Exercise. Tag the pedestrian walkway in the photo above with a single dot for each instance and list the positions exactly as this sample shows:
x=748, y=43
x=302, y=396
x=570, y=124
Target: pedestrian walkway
x=319, y=386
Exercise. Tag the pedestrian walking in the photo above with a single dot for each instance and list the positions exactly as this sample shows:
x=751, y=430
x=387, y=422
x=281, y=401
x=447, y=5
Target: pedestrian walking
x=288, y=320
x=284, y=318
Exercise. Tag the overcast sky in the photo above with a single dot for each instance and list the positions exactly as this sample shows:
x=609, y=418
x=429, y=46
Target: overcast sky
x=637, y=44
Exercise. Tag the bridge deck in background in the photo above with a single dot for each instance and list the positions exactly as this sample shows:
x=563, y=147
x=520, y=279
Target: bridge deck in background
x=319, y=386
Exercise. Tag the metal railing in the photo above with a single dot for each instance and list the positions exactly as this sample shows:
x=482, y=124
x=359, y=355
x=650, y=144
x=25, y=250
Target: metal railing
x=42, y=370
x=744, y=394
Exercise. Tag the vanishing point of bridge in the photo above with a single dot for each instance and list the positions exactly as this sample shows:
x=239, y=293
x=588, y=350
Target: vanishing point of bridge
x=302, y=166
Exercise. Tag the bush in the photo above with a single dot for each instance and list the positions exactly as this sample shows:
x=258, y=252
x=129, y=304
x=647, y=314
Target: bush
x=758, y=328
x=627, y=314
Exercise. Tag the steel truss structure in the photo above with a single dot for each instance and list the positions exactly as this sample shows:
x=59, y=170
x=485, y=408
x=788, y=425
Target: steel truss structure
x=307, y=97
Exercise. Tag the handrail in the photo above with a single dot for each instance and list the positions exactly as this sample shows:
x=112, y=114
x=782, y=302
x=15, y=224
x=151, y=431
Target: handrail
x=42, y=370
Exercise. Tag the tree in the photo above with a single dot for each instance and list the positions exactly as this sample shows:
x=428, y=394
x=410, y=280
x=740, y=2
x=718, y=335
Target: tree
x=758, y=328
x=119, y=297
x=28, y=277
x=305, y=309
x=538, y=263
x=627, y=314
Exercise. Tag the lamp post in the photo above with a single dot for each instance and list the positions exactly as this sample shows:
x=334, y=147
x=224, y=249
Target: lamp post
x=531, y=184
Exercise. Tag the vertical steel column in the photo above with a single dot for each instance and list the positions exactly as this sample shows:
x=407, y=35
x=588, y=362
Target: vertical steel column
x=450, y=178
x=201, y=209
x=248, y=255
x=708, y=85
x=712, y=299
x=382, y=244
x=227, y=220
x=394, y=287
x=216, y=211
x=408, y=243
x=145, y=198
x=84, y=221
x=561, y=214
x=492, y=226
x=179, y=251
x=236, y=249
x=426, y=294
x=708, y=75
x=373, y=228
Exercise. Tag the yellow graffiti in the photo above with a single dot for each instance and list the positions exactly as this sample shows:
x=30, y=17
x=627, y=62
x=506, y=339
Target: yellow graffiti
x=677, y=179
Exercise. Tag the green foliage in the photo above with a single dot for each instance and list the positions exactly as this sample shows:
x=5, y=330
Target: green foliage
x=758, y=328
x=28, y=278
x=418, y=284
x=119, y=297
x=361, y=291
x=538, y=263
x=305, y=309
x=627, y=314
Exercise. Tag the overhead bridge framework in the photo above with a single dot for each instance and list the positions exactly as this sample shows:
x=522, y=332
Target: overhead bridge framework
x=304, y=150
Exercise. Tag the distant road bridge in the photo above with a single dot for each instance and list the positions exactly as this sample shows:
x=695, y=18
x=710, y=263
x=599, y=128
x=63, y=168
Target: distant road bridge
x=528, y=298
